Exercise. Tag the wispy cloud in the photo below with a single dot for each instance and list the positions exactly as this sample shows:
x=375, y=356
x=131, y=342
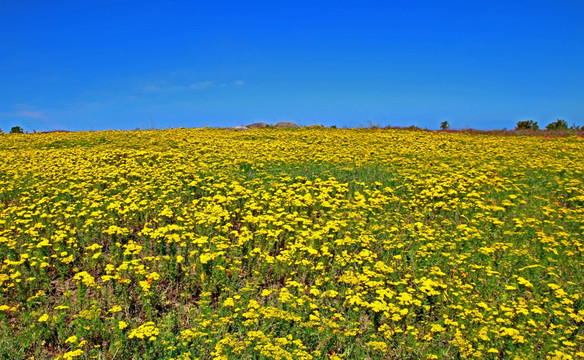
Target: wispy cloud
x=175, y=88
x=156, y=88
x=238, y=82
x=200, y=85
x=25, y=114
x=31, y=114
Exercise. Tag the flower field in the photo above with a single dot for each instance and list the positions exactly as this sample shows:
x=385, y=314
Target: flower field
x=304, y=243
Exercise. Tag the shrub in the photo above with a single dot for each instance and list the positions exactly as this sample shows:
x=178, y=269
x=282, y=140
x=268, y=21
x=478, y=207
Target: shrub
x=444, y=125
x=527, y=125
x=559, y=124
x=16, y=130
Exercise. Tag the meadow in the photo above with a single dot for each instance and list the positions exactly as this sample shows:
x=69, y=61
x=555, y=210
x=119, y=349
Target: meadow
x=307, y=243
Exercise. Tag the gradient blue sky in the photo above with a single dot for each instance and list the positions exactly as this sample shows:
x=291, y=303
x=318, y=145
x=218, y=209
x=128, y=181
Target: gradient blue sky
x=92, y=65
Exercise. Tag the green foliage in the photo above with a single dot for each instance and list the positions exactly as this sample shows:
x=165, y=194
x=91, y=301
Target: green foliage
x=559, y=124
x=527, y=125
x=444, y=125
x=16, y=130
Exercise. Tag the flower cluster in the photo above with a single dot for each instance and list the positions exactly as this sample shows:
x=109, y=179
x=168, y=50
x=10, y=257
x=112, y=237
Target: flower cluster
x=291, y=244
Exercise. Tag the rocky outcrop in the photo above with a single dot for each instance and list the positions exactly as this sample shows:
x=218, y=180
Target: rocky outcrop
x=257, y=125
x=286, y=124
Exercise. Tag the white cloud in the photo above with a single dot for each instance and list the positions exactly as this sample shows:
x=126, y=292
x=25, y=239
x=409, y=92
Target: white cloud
x=23, y=106
x=155, y=88
x=238, y=82
x=200, y=85
x=175, y=88
x=152, y=88
x=31, y=114
x=25, y=114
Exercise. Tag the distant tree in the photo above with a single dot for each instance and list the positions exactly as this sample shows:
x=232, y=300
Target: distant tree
x=559, y=124
x=16, y=130
x=527, y=125
x=576, y=127
x=444, y=125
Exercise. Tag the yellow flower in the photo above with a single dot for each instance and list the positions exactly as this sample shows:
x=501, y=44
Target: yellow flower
x=43, y=318
x=145, y=285
x=147, y=330
x=71, y=339
x=153, y=276
x=436, y=328
x=85, y=278
x=377, y=345
x=72, y=354
x=524, y=282
x=122, y=325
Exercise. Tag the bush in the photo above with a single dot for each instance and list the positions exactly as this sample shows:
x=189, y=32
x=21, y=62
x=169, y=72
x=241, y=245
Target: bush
x=527, y=125
x=559, y=124
x=16, y=130
x=444, y=125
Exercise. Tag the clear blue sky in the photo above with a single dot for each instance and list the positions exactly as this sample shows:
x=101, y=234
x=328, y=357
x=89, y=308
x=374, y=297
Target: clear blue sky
x=92, y=65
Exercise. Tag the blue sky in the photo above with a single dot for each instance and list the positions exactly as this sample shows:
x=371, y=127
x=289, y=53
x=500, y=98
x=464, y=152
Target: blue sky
x=92, y=65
